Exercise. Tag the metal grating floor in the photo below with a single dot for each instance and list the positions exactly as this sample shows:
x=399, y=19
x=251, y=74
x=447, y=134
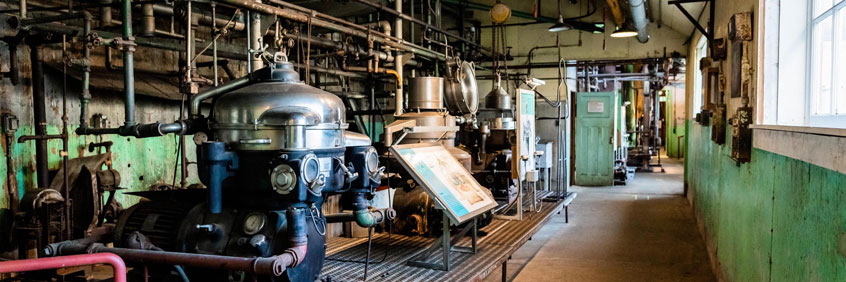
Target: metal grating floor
x=503, y=239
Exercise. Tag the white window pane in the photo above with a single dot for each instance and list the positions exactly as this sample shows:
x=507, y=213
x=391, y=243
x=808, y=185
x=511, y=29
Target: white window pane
x=820, y=6
x=839, y=73
x=821, y=98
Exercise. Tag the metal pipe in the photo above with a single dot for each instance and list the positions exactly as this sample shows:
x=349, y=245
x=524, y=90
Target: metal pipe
x=194, y=109
x=255, y=44
x=128, y=64
x=639, y=18
x=616, y=12
x=214, y=43
x=190, y=52
x=257, y=265
x=22, y=7
x=148, y=20
x=316, y=69
x=344, y=47
x=65, y=148
x=39, y=99
x=398, y=13
x=398, y=96
x=249, y=43
x=201, y=18
x=85, y=95
x=105, y=13
x=354, y=29
x=11, y=180
x=118, y=266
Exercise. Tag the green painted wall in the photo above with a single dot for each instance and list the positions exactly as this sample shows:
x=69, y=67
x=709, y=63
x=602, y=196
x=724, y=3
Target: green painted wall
x=673, y=144
x=141, y=162
x=774, y=219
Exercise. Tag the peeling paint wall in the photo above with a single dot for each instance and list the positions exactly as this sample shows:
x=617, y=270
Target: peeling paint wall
x=774, y=219
x=141, y=162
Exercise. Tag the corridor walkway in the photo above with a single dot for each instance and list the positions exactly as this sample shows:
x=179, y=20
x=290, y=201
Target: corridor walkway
x=644, y=231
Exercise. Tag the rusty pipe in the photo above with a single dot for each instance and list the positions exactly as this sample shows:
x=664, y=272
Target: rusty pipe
x=616, y=12
x=201, y=18
x=257, y=265
x=356, y=30
x=24, y=265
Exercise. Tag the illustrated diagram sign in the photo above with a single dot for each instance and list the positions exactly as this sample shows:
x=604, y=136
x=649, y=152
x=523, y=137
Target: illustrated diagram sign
x=445, y=179
x=525, y=135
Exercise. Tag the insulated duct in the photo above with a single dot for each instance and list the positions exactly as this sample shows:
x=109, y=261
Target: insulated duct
x=639, y=19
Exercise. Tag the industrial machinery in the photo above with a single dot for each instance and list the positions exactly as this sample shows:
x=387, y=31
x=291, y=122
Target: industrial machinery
x=491, y=144
x=271, y=152
x=436, y=105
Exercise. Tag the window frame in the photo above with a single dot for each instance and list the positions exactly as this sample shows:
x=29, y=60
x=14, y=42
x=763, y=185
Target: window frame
x=701, y=51
x=834, y=118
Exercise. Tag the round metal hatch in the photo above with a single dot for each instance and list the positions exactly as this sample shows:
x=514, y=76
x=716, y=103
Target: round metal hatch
x=460, y=90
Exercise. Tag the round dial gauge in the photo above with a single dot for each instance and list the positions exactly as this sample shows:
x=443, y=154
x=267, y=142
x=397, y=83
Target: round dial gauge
x=254, y=222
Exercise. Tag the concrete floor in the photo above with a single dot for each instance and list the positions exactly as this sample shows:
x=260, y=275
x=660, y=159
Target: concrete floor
x=644, y=231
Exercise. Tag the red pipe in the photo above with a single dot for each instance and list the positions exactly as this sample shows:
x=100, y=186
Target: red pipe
x=67, y=261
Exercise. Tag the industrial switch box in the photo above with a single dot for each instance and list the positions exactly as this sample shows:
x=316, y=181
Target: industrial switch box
x=741, y=141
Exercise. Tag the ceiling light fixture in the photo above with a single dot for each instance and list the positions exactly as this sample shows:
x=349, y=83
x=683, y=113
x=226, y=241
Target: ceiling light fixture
x=624, y=32
x=560, y=26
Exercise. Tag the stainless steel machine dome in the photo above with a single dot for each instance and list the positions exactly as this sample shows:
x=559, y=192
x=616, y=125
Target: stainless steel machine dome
x=280, y=113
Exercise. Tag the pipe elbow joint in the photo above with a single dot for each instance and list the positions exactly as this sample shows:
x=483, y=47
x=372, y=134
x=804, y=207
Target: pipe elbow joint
x=276, y=266
x=369, y=218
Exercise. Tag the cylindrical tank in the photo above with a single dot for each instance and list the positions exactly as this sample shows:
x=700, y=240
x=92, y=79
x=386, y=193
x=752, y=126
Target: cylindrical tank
x=426, y=93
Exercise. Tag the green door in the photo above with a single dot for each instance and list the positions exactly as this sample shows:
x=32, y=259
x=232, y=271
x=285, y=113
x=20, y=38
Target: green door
x=595, y=113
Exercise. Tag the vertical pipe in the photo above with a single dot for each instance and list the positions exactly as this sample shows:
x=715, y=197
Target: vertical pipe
x=128, y=64
x=639, y=19
x=105, y=13
x=249, y=41
x=40, y=114
x=255, y=31
x=85, y=95
x=398, y=61
x=64, y=153
x=22, y=6
x=189, y=43
x=214, y=43
x=148, y=20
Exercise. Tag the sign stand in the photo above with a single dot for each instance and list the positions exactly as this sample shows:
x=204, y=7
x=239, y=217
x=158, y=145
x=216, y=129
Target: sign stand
x=453, y=190
x=447, y=244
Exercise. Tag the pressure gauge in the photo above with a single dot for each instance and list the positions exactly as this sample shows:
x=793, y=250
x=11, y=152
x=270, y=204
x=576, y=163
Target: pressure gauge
x=254, y=222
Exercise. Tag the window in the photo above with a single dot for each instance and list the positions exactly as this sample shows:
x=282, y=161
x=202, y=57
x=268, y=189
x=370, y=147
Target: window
x=804, y=51
x=827, y=51
x=701, y=52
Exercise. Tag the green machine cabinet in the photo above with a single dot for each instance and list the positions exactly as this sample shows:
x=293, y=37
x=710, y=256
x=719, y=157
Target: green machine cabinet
x=596, y=114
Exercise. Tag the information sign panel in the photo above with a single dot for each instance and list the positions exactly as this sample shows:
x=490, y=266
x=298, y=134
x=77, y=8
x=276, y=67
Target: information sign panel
x=445, y=179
